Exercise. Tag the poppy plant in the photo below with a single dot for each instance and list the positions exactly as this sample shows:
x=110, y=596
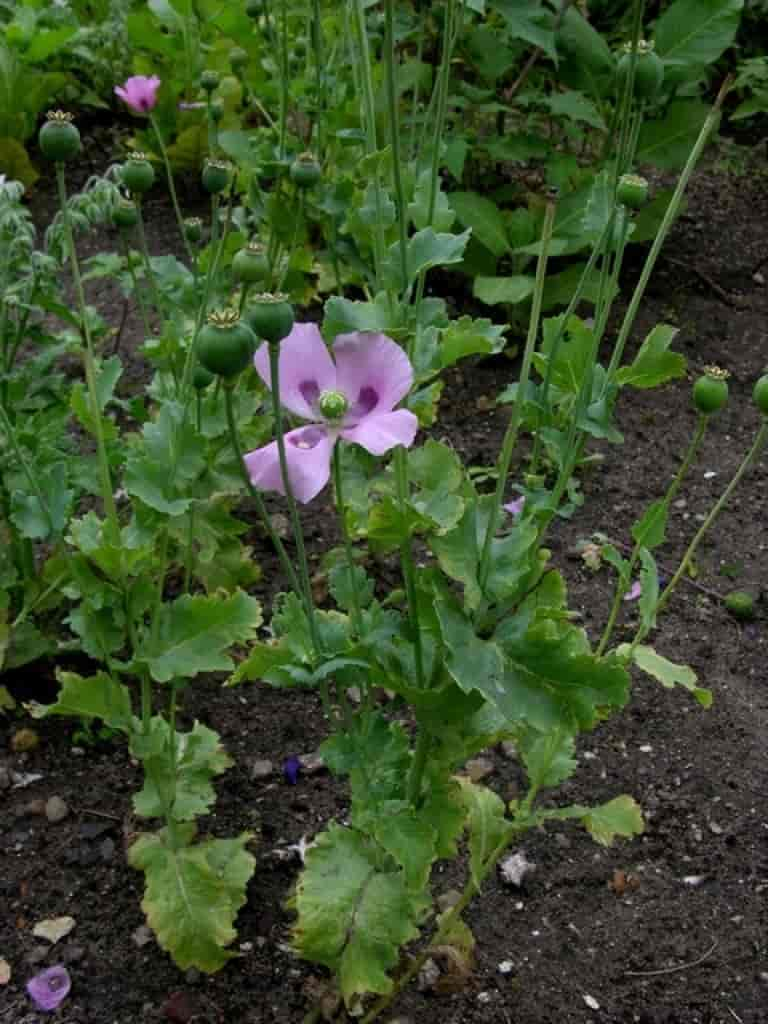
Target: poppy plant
x=351, y=395
x=139, y=92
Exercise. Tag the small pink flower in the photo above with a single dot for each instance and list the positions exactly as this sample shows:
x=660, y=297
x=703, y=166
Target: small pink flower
x=350, y=396
x=515, y=507
x=139, y=92
x=50, y=987
x=634, y=592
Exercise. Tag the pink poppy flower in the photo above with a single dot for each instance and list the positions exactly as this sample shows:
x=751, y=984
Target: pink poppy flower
x=634, y=592
x=350, y=396
x=139, y=92
x=49, y=987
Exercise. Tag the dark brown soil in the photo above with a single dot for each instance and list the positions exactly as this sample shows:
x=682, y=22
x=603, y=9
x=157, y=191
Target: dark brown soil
x=669, y=929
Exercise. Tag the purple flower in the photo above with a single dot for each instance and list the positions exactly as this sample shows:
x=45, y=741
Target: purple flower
x=49, y=987
x=139, y=92
x=350, y=396
x=291, y=769
x=515, y=507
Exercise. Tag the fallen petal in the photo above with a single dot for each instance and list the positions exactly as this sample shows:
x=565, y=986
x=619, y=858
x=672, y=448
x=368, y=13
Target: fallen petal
x=53, y=928
x=50, y=987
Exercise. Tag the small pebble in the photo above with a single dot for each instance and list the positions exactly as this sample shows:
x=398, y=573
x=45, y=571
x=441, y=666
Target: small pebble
x=514, y=868
x=428, y=975
x=192, y=976
x=591, y=1002
x=56, y=810
x=142, y=935
x=261, y=770
x=506, y=967
x=311, y=763
x=107, y=850
x=509, y=750
x=23, y=740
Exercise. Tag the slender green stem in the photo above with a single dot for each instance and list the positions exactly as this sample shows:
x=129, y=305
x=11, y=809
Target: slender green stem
x=294, y=240
x=135, y=285
x=560, y=334
x=89, y=362
x=146, y=702
x=369, y=118
x=338, y=486
x=298, y=533
x=283, y=76
x=669, y=215
x=320, y=71
x=147, y=263
x=261, y=508
x=418, y=765
x=411, y=147
x=510, y=437
x=408, y=567
x=10, y=433
x=394, y=134
x=760, y=440
x=172, y=188
x=669, y=497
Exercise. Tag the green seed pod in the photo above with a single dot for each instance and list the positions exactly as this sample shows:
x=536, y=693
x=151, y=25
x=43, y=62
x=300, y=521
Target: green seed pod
x=238, y=60
x=305, y=171
x=250, y=264
x=215, y=175
x=710, y=392
x=209, y=80
x=225, y=344
x=740, y=604
x=270, y=317
x=254, y=8
x=193, y=229
x=760, y=394
x=137, y=174
x=59, y=139
x=216, y=111
x=201, y=378
x=632, y=191
x=649, y=70
x=300, y=47
x=126, y=214
x=333, y=405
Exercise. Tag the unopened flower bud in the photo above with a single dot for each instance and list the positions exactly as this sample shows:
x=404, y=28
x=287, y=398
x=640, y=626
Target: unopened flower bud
x=209, y=80
x=632, y=191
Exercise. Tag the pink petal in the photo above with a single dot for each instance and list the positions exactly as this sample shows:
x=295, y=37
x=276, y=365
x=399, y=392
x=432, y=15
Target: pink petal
x=308, y=454
x=378, y=433
x=373, y=372
x=50, y=987
x=139, y=92
x=306, y=369
x=634, y=592
x=515, y=507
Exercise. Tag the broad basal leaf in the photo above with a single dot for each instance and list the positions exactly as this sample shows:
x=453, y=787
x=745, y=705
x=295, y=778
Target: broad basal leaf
x=548, y=757
x=88, y=697
x=193, y=893
x=666, y=672
x=654, y=364
x=485, y=219
x=353, y=917
x=488, y=827
x=621, y=817
x=195, y=633
x=187, y=791
x=694, y=33
x=426, y=249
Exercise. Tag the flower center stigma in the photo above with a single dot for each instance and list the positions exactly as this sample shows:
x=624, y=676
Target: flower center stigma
x=333, y=405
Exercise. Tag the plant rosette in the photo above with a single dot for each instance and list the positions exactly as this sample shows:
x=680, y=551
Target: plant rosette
x=710, y=392
x=59, y=139
x=225, y=344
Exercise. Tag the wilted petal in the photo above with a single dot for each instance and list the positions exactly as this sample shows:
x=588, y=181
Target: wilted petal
x=308, y=454
x=634, y=592
x=50, y=987
x=378, y=433
x=306, y=369
x=373, y=372
x=515, y=507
